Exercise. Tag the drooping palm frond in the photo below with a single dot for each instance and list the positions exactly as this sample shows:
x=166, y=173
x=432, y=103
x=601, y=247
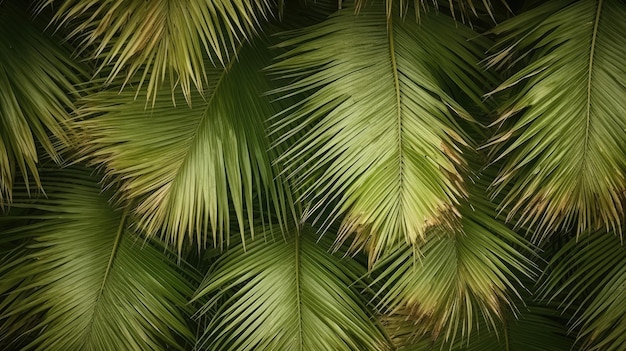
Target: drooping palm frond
x=162, y=38
x=381, y=135
x=80, y=279
x=37, y=81
x=288, y=294
x=184, y=167
x=565, y=154
x=591, y=274
x=457, y=280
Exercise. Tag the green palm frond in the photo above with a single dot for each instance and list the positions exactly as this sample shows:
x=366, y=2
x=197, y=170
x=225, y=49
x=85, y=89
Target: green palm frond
x=533, y=328
x=457, y=279
x=161, y=37
x=591, y=274
x=464, y=7
x=381, y=142
x=184, y=167
x=288, y=294
x=565, y=151
x=81, y=280
x=37, y=81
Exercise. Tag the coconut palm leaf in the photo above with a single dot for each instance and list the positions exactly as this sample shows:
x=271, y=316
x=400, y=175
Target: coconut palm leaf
x=591, y=274
x=534, y=328
x=184, y=167
x=565, y=150
x=81, y=280
x=381, y=142
x=37, y=81
x=457, y=279
x=288, y=294
x=161, y=38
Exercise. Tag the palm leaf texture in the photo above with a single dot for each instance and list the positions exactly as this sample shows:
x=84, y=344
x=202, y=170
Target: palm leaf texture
x=184, y=167
x=37, y=79
x=80, y=280
x=565, y=150
x=286, y=294
x=161, y=38
x=381, y=137
x=591, y=274
x=457, y=279
x=533, y=328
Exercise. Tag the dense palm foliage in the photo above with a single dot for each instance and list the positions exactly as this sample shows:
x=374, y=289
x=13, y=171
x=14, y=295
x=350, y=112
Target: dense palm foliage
x=312, y=175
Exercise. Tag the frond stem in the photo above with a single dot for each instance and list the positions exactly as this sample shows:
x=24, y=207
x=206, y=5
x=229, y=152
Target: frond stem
x=589, y=74
x=298, y=292
x=396, y=81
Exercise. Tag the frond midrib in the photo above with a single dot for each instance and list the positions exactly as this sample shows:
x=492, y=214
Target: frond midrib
x=399, y=117
x=203, y=117
x=105, y=278
x=589, y=85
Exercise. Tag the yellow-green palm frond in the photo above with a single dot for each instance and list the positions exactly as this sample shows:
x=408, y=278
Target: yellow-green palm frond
x=378, y=134
x=163, y=38
x=457, y=280
x=184, y=168
x=565, y=152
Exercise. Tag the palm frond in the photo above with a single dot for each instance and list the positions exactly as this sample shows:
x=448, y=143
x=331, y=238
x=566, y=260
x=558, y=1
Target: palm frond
x=37, y=81
x=534, y=327
x=184, y=167
x=161, y=37
x=381, y=142
x=81, y=280
x=565, y=152
x=457, y=280
x=466, y=8
x=591, y=274
x=288, y=294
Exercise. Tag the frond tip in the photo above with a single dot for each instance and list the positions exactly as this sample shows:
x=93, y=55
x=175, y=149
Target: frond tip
x=37, y=78
x=161, y=37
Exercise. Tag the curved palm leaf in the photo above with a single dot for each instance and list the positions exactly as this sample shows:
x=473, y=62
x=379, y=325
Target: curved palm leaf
x=286, y=295
x=380, y=138
x=457, y=278
x=591, y=274
x=161, y=37
x=185, y=166
x=566, y=153
x=36, y=81
x=81, y=280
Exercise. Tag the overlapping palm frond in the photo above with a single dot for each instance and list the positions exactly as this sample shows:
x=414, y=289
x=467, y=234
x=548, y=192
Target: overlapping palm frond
x=37, y=79
x=533, y=328
x=161, y=38
x=590, y=274
x=185, y=167
x=565, y=151
x=80, y=280
x=381, y=142
x=458, y=280
x=288, y=294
